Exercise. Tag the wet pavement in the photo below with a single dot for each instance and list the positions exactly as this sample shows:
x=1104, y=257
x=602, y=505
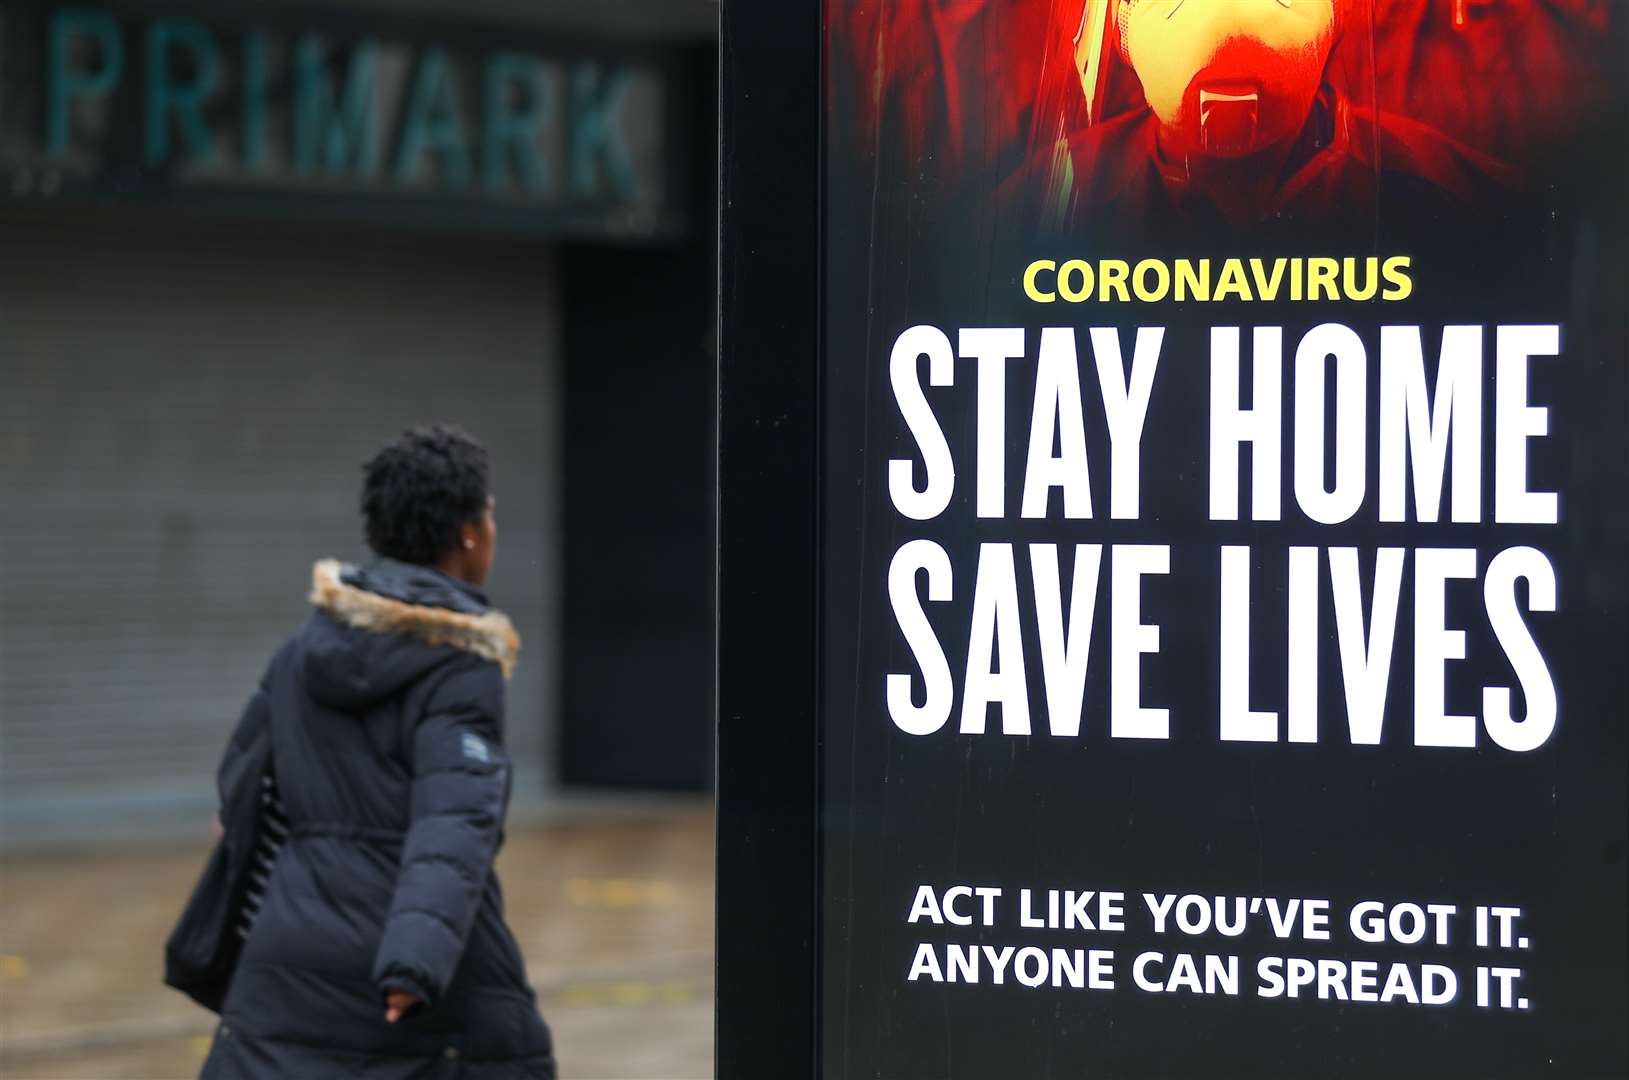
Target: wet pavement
x=614, y=911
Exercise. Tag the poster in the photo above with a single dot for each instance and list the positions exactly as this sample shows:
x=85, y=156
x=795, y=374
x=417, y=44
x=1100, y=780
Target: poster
x=1223, y=640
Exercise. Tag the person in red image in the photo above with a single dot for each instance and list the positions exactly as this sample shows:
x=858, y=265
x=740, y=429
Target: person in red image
x=1242, y=127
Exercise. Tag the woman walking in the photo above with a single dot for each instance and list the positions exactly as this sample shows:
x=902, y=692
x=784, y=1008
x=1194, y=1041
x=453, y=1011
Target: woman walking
x=374, y=939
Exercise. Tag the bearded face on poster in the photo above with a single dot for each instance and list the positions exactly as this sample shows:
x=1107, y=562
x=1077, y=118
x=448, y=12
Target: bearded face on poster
x=1227, y=79
x=1235, y=113
x=1253, y=114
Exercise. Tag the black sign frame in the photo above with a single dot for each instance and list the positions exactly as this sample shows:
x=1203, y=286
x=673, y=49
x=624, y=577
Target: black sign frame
x=768, y=899
x=771, y=498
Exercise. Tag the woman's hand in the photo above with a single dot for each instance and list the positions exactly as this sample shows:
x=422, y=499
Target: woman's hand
x=398, y=1003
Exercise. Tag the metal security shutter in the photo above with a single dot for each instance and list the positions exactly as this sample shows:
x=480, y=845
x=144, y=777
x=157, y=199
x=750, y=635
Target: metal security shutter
x=182, y=416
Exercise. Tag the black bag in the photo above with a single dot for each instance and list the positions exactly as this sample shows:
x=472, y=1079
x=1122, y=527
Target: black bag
x=202, y=950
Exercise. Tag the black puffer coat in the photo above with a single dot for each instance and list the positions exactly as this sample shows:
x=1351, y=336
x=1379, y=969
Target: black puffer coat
x=386, y=715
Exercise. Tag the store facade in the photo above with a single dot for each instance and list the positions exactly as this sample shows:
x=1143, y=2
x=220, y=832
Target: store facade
x=246, y=243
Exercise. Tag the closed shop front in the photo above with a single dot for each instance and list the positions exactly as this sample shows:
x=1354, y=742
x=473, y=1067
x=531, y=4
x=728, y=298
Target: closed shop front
x=203, y=334
x=187, y=412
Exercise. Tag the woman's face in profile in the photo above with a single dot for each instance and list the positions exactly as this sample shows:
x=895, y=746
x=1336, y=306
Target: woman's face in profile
x=484, y=534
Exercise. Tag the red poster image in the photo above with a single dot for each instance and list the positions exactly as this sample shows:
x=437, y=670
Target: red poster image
x=1253, y=113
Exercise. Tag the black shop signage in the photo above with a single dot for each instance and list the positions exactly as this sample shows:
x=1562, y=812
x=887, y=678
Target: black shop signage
x=348, y=115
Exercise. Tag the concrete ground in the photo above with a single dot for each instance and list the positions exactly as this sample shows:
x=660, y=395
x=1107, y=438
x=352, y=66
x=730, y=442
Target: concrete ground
x=613, y=910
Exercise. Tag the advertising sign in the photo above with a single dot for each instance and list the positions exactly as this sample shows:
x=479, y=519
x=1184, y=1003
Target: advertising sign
x=1221, y=575
x=1172, y=578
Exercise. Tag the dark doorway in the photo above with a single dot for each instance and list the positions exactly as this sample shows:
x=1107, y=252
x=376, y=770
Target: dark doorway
x=637, y=613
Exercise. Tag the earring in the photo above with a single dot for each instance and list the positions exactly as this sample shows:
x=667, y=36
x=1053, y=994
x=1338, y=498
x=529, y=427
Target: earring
x=469, y=545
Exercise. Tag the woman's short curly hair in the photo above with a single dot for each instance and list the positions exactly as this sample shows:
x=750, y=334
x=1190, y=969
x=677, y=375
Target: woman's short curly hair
x=420, y=488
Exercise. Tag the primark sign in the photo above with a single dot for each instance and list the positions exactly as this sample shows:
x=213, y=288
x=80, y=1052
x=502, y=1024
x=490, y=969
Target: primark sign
x=337, y=115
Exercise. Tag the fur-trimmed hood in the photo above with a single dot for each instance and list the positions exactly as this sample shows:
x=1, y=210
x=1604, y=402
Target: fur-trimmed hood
x=454, y=619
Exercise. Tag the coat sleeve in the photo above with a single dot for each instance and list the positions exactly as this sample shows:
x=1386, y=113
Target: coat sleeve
x=255, y=716
x=460, y=778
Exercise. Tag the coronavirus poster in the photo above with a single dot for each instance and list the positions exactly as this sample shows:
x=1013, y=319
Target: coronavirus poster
x=1223, y=656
